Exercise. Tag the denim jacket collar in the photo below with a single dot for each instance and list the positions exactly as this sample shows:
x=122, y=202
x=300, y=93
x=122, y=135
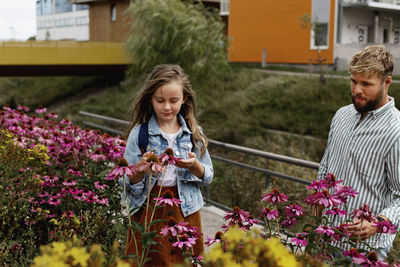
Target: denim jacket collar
x=154, y=129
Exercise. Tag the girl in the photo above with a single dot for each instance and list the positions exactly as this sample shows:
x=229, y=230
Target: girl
x=166, y=104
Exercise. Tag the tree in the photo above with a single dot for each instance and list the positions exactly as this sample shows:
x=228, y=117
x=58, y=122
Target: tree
x=176, y=32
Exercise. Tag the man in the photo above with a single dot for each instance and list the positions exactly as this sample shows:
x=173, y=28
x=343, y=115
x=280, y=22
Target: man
x=363, y=146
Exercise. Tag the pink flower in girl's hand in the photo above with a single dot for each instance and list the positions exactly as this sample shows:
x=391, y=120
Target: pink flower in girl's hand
x=363, y=213
x=275, y=197
x=168, y=157
x=121, y=170
x=152, y=163
x=167, y=200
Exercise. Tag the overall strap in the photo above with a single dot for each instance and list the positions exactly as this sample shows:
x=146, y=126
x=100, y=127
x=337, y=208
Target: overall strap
x=143, y=138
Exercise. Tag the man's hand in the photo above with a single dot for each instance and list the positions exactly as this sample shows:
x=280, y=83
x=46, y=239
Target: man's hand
x=365, y=230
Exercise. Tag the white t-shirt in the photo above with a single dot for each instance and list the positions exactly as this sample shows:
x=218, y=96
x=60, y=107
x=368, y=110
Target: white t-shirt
x=170, y=174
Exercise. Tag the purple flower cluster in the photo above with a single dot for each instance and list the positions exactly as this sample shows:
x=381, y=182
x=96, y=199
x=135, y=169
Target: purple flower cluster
x=76, y=158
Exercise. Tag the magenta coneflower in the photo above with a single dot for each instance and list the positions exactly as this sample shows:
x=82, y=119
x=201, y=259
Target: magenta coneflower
x=69, y=182
x=216, y=239
x=168, y=157
x=385, y=227
x=167, y=200
x=54, y=201
x=341, y=232
x=275, y=197
x=97, y=156
x=336, y=211
x=289, y=222
x=317, y=185
x=40, y=110
x=300, y=239
x=185, y=242
x=120, y=170
x=326, y=230
x=100, y=185
x=363, y=213
x=344, y=192
x=325, y=199
x=371, y=259
x=330, y=181
x=294, y=210
x=269, y=214
x=169, y=228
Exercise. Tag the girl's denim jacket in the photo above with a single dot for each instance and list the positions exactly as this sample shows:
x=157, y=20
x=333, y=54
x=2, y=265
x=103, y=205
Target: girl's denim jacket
x=187, y=183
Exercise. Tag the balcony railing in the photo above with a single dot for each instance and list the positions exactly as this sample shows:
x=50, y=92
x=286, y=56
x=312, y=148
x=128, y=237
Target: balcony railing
x=378, y=4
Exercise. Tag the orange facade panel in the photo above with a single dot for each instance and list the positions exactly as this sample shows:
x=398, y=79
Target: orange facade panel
x=255, y=25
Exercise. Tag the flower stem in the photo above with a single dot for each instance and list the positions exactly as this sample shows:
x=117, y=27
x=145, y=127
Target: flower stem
x=148, y=201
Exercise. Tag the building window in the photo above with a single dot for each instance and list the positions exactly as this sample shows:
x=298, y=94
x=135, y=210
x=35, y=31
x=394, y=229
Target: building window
x=63, y=6
x=81, y=7
x=320, y=24
x=83, y=20
x=113, y=12
x=44, y=7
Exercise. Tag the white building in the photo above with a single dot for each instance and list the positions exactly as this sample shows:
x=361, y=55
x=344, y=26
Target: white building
x=61, y=20
x=365, y=22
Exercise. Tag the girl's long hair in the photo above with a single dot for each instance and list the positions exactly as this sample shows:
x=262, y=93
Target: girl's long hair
x=143, y=110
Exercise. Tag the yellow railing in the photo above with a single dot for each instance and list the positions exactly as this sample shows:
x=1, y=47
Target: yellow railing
x=62, y=53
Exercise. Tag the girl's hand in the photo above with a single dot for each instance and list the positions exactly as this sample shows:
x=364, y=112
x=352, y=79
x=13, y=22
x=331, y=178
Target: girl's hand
x=192, y=164
x=138, y=176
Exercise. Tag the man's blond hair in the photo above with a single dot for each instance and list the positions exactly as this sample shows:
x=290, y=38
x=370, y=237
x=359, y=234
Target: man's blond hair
x=374, y=59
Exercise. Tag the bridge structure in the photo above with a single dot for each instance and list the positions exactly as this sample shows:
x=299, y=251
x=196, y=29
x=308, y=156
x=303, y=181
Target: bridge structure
x=58, y=58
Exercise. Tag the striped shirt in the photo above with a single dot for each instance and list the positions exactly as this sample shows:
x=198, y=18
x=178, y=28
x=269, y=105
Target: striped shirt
x=366, y=156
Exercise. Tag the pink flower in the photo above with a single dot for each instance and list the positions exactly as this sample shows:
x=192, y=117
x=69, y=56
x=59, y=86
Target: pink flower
x=289, y=222
x=343, y=192
x=167, y=200
x=300, y=239
x=275, y=197
x=326, y=230
x=325, y=199
x=168, y=157
x=294, y=210
x=385, y=227
x=54, y=201
x=240, y=217
x=40, y=110
x=100, y=185
x=370, y=260
x=185, y=241
x=69, y=182
x=317, y=185
x=363, y=213
x=336, y=211
x=330, y=181
x=270, y=214
x=217, y=239
x=121, y=170
x=340, y=232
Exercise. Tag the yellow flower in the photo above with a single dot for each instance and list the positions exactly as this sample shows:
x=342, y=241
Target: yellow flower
x=280, y=254
x=48, y=260
x=54, y=221
x=121, y=263
x=79, y=255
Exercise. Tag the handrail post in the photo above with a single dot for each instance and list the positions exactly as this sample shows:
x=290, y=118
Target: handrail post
x=207, y=195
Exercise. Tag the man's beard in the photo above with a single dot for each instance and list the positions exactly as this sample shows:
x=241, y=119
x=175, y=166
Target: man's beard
x=370, y=105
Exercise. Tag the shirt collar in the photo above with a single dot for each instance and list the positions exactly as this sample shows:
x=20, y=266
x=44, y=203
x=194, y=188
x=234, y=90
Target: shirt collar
x=154, y=129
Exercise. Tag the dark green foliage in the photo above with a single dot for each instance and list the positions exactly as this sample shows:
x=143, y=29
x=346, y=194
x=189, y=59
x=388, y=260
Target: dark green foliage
x=177, y=32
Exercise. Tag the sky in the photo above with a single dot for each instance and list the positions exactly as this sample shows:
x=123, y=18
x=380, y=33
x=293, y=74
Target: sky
x=17, y=19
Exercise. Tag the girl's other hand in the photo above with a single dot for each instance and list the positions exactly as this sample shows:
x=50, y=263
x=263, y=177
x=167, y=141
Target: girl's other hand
x=192, y=164
x=146, y=155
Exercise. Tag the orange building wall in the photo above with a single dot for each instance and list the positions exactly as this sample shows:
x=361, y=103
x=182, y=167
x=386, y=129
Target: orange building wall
x=275, y=26
x=101, y=28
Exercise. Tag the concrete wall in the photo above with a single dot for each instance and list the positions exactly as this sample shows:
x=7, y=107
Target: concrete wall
x=344, y=53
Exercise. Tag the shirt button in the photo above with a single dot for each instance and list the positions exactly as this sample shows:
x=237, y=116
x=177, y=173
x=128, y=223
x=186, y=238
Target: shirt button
x=177, y=153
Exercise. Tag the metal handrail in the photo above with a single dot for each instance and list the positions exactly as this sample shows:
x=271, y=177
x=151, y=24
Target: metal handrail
x=246, y=150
